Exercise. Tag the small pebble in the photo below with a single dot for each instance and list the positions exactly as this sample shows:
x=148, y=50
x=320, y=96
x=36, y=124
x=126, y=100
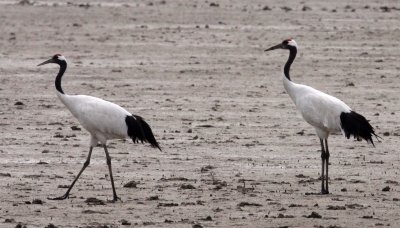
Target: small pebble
x=125, y=222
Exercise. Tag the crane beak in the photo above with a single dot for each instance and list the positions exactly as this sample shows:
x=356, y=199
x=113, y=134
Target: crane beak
x=46, y=62
x=274, y=47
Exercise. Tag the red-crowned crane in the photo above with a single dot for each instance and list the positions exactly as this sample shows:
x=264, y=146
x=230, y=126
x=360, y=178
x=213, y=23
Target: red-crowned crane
x=104, y=120
x=324, y=112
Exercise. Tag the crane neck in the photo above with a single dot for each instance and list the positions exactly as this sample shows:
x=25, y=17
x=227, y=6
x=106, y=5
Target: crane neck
x=292, y=56
x=63, y=67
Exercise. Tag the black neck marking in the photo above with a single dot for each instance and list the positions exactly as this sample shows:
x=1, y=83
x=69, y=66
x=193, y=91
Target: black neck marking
x=63, y=67
x=292, y=56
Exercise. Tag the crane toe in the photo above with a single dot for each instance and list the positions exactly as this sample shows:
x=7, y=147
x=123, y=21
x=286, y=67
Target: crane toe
x=115, y=199
x=63, y=197
x=324, y=192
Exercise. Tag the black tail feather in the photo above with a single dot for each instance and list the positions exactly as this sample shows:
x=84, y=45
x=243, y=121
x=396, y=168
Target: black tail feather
x=355, y=124
x=139, y=130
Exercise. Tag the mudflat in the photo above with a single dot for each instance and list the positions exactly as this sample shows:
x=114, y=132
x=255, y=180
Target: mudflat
x=236, y=153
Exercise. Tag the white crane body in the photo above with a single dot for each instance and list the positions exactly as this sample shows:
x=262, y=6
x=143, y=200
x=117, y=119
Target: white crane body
x=90, y=111
x=320, y=110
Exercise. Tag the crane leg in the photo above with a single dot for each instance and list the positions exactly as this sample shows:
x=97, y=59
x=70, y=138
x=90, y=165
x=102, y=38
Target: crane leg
x=323, y=190
x=115, y=197
x=327, y=165
x=86, y=164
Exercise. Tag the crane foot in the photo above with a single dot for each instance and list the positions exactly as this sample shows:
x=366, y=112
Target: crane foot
x=65, y=196
x=115, y=199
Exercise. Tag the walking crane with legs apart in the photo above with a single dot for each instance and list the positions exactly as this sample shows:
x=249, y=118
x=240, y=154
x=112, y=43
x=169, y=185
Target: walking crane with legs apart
x=104, y=121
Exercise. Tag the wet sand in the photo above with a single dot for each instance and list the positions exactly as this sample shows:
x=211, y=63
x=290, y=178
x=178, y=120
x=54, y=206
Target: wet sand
x=235, y=150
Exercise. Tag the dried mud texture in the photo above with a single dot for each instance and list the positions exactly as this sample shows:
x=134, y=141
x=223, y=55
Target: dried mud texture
x=235, y=151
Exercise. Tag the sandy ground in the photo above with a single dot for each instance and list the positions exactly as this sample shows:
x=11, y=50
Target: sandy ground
x=235, y=150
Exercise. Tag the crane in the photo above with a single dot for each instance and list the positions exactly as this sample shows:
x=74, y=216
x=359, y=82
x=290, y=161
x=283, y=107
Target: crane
x=103, y=120
x=324, y=112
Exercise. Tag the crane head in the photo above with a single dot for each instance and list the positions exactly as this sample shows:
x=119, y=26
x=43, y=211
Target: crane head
x=57, y=58
x=286, y=44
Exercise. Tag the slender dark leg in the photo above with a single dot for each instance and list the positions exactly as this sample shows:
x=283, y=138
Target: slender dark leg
x=86, y=164
x=323, y=166
x=115, y=197
x=327, y=165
